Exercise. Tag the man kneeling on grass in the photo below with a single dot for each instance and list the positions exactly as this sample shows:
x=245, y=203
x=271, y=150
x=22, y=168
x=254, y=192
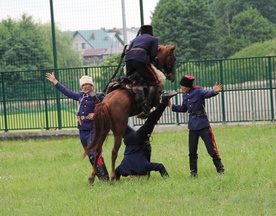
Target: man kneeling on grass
x=136, y=161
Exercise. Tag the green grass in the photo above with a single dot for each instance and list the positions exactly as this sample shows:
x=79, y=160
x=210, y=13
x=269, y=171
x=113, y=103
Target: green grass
x=48, y=177
x=266, y=48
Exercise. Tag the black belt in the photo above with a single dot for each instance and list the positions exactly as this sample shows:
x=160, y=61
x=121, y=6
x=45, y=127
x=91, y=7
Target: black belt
x=200, y=112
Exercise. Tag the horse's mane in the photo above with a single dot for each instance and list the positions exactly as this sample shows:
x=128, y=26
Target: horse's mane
x=164, y=48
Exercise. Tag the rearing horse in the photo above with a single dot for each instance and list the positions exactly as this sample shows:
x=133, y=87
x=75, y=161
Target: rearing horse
x=113, y=112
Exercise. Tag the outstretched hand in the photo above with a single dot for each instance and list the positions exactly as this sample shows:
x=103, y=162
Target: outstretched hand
x=169, y=103
x=217, y=87
x=51, y=77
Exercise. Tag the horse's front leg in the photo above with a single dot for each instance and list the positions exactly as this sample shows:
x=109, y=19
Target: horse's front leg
x=115, y=150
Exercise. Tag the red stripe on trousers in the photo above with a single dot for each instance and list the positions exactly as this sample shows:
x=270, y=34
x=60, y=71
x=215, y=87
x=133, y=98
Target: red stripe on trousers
x=214, y=142
x=153, y=73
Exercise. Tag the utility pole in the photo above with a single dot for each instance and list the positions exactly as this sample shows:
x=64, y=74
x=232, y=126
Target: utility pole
x=124, y=22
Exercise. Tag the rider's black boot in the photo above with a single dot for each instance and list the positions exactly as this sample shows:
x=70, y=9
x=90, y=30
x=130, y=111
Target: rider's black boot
x=167, y=96
x=147, y=106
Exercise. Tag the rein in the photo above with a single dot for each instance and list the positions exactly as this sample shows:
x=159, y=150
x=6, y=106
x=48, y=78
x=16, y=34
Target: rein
x=117, y=69
x=168, y=68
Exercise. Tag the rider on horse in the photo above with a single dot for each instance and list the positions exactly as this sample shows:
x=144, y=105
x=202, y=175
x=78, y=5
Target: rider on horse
x=141, y=53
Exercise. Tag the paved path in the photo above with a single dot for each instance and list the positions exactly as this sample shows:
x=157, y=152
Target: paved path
x=48, y=134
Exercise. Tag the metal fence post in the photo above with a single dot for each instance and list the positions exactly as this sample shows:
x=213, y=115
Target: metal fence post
x=222, y=92
x=45, y=102
x=270, y=87
x=176, y=86
x=4, y=104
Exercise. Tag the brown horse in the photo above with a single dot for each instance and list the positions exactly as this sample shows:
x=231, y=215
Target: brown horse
x=113, y=112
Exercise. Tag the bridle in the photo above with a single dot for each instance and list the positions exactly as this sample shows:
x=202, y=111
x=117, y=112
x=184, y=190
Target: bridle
x=168, y=68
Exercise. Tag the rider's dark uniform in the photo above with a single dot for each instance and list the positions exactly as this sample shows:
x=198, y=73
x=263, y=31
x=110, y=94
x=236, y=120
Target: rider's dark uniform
x=141, y=52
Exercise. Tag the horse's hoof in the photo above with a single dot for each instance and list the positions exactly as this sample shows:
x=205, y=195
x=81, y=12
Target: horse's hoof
x=91, y=180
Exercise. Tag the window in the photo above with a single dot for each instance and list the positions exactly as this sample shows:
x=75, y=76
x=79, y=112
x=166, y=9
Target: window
x=83, y=45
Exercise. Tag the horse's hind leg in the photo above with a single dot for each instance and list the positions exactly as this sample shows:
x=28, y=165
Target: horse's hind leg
x=91, y=179
x=117, y=145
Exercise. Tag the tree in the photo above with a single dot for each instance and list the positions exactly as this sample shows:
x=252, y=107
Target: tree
x=21, y=46
x=267, y=8
x=112, y=60
x=247, y=27
x=225, y=12
x=190, y=24
x=66, y=55
x=26, y=45
x=168, y=24
x=200, y=24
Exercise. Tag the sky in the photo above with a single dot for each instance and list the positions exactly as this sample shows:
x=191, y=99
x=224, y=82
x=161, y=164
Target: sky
x=80, y=14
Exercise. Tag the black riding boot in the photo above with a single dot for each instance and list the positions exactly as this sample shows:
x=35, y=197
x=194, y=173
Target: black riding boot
x=219, y=166
x=164, y=173
x=193, y=167
x=102, y=172
x=147, y=106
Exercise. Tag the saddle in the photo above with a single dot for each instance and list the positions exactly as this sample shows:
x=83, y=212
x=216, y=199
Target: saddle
x=137, y=88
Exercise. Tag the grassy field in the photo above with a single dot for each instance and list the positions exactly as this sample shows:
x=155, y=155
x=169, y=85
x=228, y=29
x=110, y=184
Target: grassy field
x=48, y=177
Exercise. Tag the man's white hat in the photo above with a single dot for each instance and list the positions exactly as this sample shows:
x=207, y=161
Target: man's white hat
x=86, y=80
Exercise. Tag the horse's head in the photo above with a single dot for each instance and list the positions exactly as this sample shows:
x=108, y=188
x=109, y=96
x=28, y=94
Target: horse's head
x=167, y=59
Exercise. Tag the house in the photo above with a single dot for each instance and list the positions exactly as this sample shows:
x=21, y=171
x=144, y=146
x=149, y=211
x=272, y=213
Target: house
x=93, y=39
x=97, y=45
x=131, y=33
x=96, y=56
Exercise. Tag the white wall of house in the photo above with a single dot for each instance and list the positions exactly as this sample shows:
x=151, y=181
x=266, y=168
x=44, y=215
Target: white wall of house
x=80, y=44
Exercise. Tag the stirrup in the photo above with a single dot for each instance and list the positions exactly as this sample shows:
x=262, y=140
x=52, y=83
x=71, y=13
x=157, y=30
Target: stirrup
x=143, y=115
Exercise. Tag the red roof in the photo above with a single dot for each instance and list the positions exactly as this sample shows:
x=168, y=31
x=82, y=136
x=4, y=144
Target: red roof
x=94, y=52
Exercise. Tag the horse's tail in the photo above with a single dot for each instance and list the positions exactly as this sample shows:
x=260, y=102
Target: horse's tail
x=102, y=126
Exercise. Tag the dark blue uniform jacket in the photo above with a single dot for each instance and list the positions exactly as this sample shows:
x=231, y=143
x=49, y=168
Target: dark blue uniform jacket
x=86, y=104
x=148, y=43
x=194, y=102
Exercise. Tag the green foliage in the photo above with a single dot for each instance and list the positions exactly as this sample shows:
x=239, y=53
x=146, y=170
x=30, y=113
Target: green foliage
x=242, y=22
x=191, y=25
x=67, y=57
x=200, y=25
x=226, y=10
x=26, y=45
x=111, y=60
x=250, y=27
x=267, y=8
x=267, y=48
x=21, y=46
x=48, y=177
x=167, y=22
x=107, y=69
